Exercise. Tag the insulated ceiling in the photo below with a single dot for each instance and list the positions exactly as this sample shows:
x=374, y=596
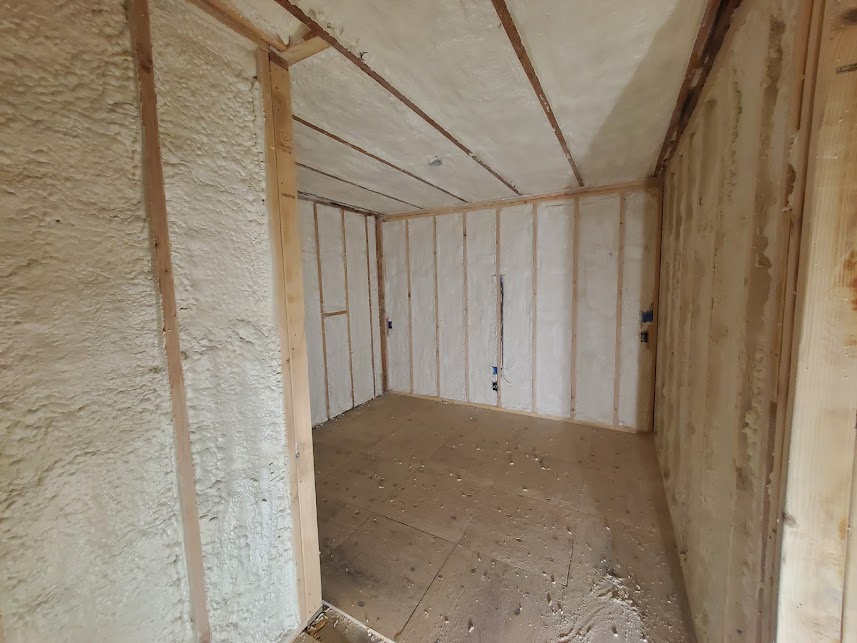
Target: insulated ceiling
x=460, y=119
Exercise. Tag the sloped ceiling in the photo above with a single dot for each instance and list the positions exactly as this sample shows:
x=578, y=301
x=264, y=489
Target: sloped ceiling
x=451, y=114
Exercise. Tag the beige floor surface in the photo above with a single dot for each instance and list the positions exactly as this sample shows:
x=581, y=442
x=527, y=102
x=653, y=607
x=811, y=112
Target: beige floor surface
x=440, y=522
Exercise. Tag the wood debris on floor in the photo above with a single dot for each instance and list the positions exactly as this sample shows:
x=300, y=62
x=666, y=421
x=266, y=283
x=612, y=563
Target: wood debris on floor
x=490, y=526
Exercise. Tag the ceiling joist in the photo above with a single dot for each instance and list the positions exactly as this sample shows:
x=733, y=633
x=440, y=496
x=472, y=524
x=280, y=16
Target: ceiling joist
x=518, y=45
x=310, y=45
x=356, y=60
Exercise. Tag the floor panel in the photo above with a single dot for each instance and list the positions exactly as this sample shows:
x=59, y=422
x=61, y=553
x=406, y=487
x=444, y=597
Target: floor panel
x=441, y=522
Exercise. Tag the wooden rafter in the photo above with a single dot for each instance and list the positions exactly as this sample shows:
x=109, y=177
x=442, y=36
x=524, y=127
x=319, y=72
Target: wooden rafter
x=709, y=38
x=518, y=45
x=354, y=58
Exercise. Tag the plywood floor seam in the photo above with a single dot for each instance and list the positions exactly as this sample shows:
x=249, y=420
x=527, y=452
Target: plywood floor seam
x=416, y=496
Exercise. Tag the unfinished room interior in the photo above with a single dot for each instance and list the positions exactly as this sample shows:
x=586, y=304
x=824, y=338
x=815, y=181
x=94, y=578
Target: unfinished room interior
x=397, y=320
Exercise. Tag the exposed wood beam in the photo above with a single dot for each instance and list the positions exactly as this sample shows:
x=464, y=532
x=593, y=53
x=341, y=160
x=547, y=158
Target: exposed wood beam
x=357, y=148
x=156, y=207
x=316, y=27
x=357, y=185
x=310, y=45
x=526, y=200
x=322, y=200
x=709, y=38
x=517, y=44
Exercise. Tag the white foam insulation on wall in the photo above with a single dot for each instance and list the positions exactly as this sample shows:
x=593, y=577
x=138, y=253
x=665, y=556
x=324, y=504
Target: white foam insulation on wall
x=482, y=305
x=636, y=359
x=554, y=307
x=339, y=380
x=211, y=132
x=597, y=283
x=423, y=305
x=536, y=325
x=332, y=93
x=398, y=310
x=374, y=307
x=331, y=248
x=362, y=365
x=312, y=314
x=450, y=306
x=91, y=544
x=516, y=273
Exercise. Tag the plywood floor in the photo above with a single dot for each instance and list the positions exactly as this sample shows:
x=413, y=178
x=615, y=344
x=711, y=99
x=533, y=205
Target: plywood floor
x=439, y=522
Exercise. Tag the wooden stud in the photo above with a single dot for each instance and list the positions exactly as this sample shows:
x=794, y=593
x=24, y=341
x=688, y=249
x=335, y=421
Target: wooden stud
x=524, y=58
x=356, y=185
x=534, y=316
x=382, y=301
x=347, y=307
x=365, y=152
x=436, y=308
x=491, y=204
x=653, y=328
x=321, y=309
x=410, y=307
x=497, y=268
x=620, y=270
x=290, y=303
x=156, y=206
x=466, y=314
x=369, y=290
x=298, y=13
x=575, y=235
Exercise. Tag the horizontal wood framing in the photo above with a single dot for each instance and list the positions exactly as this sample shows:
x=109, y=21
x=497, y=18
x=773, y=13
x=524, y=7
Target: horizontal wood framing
x=314, y=198
x=630, y=186
x=490, y=407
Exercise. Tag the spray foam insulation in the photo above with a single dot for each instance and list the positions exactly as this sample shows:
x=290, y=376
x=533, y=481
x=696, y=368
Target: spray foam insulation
x=723, y=215
x=554, y=308
x=312, y=314
x=597, y=279
x=209, y=99
x=424, y=330
x=450, y=306
x=375, y=319
x=331, y=247
x=339, y=380
x=376, y=121
x=90, y=533
x=358, y=308
x=398, y=311
x=516, y=272
x=318, y=184
x=482, y=305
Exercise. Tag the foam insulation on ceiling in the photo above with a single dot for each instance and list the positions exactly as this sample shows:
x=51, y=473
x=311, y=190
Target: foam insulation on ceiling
x=398, y=310
x=374, y=307
x=612, y=71
x=91, y=542
x=324, y=153
x=516, y=272
x=314, y=183
x=450, y=303
x=339, y=381
x=358, y=308
x=270, y=17
x=332, y=93
x=554, y=307
x=423, y=305
x=638, y=287
x=597, y=283
x=453, y=60
x=331, y=247
x=208, y=99
x=312, y=314
x=482, y=331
